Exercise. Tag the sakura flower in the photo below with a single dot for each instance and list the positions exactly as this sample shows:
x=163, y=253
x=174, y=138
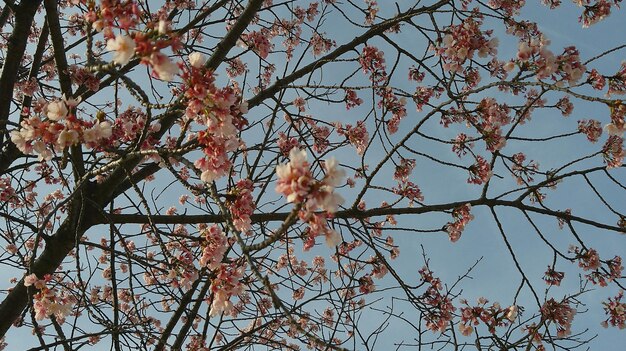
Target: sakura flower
x=30, y=279
x=333, y=238
x=124, y=48
x=613, y=129
x=294, y=178
x=67, y=138
x=71, y=102
x=56, y=110
x=334, y=176
x=509, y=66
x=329, y=201
x=524, y=51
x=99, y=131
x=197, y=59
x=163, y=66
x=164, y=27
x=512, y=313
x=466, y=330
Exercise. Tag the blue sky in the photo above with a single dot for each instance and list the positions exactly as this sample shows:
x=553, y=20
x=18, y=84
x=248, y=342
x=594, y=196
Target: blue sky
x=495, y=277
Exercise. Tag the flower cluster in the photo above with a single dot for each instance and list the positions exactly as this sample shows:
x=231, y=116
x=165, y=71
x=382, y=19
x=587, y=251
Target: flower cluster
x=491, y=117
x=561, y=314
x=406, y=188
x=372, y=62
x=129, y=125
x=591, y=128
x=617, y=125
x=602, y=277
x=148, y=45
x=214, y=244
x=493, y=316
x=596, y=12
x=225, y=284
x=523, y=173
x=393, y=104
x=82, y=76
x=461, y=216
x=461, y=144
x=357, y=135
x=616, y=310
x=480, y=172
x=48, y=301
x=403, y=170
x=409, y=190
x=463, y=41
x=320, y=135
x=124, y=15
x=565, y=106
x=617, y=82
x=243, y=205
x=296, y=183
x=596, y=80
x=613, y=151
x=61, y=129
x=219, y=110
x=286, y=144
x=565, y=67
x=509, y=7
x=440, y=314
x=552, y=277
x=259, y=42
x=371, y=11
x=352, y=100
x=321, y=44
x=7, y=192
x=423, y=94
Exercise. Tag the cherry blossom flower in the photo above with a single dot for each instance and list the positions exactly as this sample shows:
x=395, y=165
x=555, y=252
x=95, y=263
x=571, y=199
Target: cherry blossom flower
x=163, y=66
x=294, y=178
x=197, y=59
x=243, y=206
x=124, y=47
x=56, y=110
x=214, y=245
x=461, y=216
x=552, y=277
x=102, y=130
x=591, y=128
x=561, y=313
x=357, y=135
x=616, y=310
x=225, y=285
x=480, y=172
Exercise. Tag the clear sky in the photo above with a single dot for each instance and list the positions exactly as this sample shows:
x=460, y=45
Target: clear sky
x=495, y=276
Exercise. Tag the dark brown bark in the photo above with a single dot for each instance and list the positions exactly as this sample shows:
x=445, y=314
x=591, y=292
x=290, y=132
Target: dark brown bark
x=24, y=15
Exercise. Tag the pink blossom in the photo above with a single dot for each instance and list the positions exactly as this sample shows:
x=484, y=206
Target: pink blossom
x=214, y=246
x=163, y=66
x=480, y=172
x=294, y=178
x=56, y=110
x=461, y=216
x=591, y=128
x=561, y=313
x=616, y=311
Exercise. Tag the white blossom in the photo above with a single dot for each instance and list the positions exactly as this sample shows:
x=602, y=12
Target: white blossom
x=124, y=48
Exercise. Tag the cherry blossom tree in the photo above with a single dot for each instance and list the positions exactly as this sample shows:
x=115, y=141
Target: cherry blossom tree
x=319, y=174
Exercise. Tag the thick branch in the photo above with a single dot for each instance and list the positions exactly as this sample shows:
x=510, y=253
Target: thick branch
x=13, y=60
